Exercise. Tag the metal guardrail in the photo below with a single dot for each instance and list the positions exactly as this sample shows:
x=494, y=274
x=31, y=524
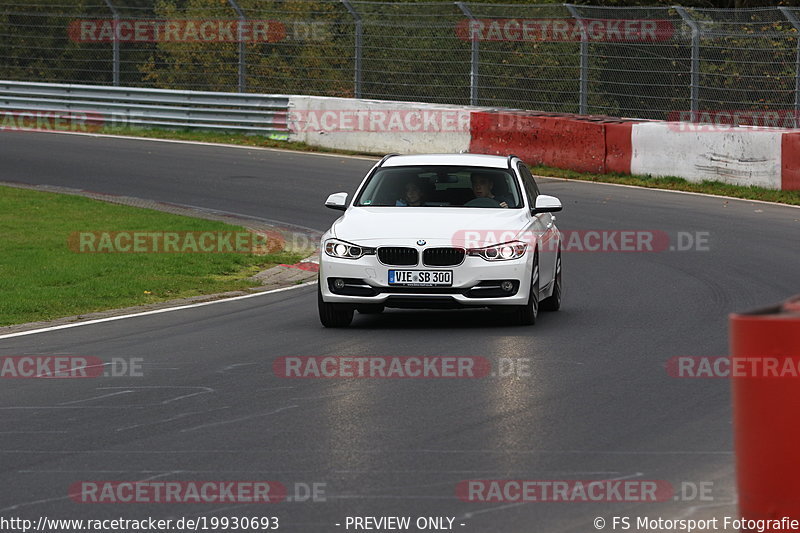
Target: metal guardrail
x=131, y=106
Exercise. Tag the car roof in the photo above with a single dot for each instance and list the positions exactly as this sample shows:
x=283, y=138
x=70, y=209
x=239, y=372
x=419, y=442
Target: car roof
x=475, y=160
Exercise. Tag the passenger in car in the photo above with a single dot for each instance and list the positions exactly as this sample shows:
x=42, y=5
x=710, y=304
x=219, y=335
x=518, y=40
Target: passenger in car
x=414, y=195
x=483, y=187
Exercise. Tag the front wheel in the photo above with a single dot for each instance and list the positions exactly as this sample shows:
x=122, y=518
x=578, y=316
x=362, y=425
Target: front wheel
x=333, y=315
x=553, y=303
x=526, y=314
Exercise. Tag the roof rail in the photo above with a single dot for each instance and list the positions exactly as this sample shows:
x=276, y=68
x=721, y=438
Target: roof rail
x=510, y=157
x=387, y=156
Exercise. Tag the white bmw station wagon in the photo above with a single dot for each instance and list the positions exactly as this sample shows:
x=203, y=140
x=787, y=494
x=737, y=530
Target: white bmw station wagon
x=442, y=231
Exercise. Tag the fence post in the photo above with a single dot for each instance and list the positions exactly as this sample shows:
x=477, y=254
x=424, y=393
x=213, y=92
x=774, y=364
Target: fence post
x=694, y=84
x=242, y=46
x=474, y=67
x=796, y=24
x=359, y=37
x=583, y=102
x=115, y=43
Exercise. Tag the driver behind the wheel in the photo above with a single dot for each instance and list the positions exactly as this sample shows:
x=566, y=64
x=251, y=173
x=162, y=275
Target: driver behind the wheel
x=483, y=186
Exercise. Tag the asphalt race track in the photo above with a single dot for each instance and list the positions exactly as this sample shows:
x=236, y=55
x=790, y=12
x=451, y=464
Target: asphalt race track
x=596, y=401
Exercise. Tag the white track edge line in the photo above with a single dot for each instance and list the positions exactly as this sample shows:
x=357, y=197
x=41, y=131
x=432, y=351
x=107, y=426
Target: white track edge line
x=656, y=189
x=202, y=143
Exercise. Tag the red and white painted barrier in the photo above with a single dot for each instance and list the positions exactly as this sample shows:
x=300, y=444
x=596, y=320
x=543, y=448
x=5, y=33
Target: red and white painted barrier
x=717, y=148
x=766, y=413
x=587, y=144
x=741, y=155
x=790, y=161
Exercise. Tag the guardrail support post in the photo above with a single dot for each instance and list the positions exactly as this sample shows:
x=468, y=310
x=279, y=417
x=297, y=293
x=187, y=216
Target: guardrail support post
x=796, y=24
x=359, y=38
x=583, y=103
x=474, y=67
x=694, y=84
x=115, y=43
x=242, y=46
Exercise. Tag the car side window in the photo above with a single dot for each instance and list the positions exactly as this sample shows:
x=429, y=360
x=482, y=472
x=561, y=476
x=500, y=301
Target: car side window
x=531, y=190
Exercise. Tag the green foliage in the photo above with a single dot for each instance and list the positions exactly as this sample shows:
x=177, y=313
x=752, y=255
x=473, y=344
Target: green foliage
x=35, y=44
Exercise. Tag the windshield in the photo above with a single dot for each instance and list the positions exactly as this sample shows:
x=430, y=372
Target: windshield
x=441, y=186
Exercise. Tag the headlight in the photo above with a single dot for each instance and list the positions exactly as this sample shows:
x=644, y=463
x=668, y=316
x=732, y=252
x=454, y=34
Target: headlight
x=501, y=252
x=346, y=250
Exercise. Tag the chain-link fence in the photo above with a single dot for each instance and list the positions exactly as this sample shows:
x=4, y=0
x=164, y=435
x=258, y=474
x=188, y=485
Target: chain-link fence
x=643, y=62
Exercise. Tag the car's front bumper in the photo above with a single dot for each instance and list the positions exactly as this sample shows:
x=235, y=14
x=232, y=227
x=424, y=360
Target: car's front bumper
x=475, y=283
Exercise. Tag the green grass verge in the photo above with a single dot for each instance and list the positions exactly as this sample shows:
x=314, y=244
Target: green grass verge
x=669, y=183
x=41, y=278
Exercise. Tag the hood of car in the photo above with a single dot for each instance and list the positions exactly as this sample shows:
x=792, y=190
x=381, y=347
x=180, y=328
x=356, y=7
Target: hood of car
x=443, y=226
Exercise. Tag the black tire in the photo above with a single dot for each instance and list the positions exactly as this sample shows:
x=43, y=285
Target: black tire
x=333, y=315
x=553, y=303
x=526, y=314
x=370, y=309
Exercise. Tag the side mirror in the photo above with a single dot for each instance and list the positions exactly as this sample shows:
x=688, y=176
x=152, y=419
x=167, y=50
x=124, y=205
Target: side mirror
x=546, y=204
x=337, y=201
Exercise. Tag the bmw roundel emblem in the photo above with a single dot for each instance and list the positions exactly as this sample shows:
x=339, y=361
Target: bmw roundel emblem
x=421, y=242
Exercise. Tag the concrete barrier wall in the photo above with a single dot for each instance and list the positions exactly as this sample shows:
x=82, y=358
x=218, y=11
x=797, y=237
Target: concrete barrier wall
x=379, y=126
x=741, y=156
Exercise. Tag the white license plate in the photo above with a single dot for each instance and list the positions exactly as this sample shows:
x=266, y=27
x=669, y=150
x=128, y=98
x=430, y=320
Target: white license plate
x=421, y=278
